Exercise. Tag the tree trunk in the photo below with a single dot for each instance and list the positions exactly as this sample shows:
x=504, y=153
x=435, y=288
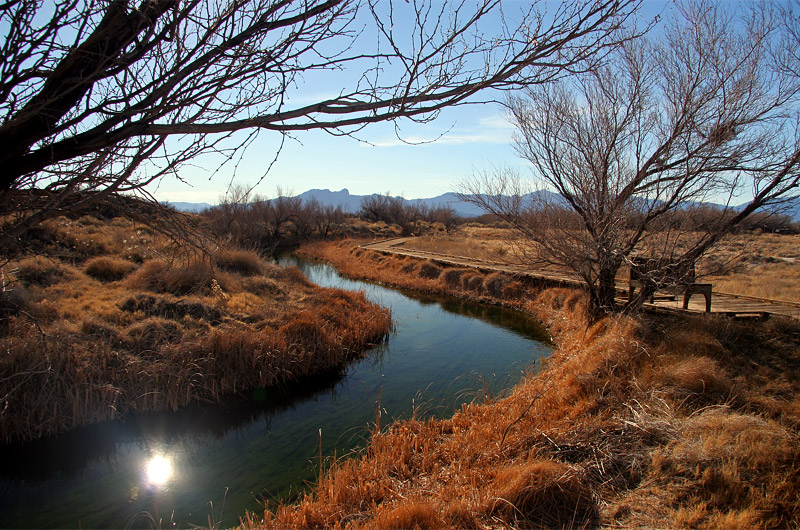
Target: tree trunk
x=602, y=296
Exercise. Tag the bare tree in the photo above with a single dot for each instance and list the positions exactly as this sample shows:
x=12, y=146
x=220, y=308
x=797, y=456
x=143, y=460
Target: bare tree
x=100, y=99
x=393, y=210
x=328, y=220
x=445, y=215
x=697, y=113
x=376, y=208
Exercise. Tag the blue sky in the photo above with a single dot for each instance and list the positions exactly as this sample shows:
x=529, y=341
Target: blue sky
x=470, y=137
x=461, y=140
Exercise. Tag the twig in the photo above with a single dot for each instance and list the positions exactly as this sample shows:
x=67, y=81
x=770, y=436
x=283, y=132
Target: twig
x=41, y=335
x=524, y=412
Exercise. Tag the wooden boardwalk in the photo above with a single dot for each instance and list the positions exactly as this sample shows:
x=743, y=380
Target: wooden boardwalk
x=721, y=303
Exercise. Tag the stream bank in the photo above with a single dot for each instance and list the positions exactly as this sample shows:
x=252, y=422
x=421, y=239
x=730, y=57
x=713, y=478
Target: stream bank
x=671, y=421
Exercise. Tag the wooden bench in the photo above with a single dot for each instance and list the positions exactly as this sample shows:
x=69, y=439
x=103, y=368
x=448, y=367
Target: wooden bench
x=671, y=278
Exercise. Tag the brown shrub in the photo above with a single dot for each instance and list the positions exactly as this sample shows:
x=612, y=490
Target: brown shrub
x=452, y=277
x=544, y=493
x=429, y=270
x=514, y=290
x=152, y=332
x=108, y=269
x=244, y=262
x=409, y=267
x=39, y=270
x=193, y=276
x=695, y=377
x=472, y=282
x=409, y=514
x=495, y=284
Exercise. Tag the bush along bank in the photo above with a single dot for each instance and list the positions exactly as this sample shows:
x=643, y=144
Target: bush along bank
x=668, y=421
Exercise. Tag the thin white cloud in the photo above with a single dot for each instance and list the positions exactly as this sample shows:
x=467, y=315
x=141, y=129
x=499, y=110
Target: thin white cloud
x=492, y=130
x=497, y=121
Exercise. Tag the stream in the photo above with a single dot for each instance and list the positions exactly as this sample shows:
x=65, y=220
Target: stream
x=207, y=464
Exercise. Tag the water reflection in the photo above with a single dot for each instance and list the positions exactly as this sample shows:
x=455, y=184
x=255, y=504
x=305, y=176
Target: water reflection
x=158, y=471
x=68, y=454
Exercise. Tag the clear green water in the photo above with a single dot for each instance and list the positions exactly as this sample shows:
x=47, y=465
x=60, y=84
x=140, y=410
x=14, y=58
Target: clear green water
x=225, y=460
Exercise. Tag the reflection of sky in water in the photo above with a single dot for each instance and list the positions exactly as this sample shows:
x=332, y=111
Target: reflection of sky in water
x=209, y=464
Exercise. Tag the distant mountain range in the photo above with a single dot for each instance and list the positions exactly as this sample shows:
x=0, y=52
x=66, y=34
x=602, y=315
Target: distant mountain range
x=793, y=209
x=193, y=207
x=352, y=203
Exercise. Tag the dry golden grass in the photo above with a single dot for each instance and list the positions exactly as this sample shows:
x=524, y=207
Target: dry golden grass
x=756, y=264
x=244, y=262
x=477, y=242
x=76, y=240
x=671, y=422
x=39, y=271
x=195, y=274
x=108, y=269
x=79, y=350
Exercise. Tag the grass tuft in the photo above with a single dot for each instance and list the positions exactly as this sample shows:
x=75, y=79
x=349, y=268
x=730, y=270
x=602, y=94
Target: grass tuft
x=696, y=378
x=107, y=269
x=410, y=514
x=429, y=270
x=495, y=284
x=244, y=262
x=452, y=277
x=195, y=275
x=152, y=332
x=40, y=271
x=544, y=493
x=472, y=282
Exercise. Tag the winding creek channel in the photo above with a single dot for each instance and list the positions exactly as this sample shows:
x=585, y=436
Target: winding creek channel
x=206, y=465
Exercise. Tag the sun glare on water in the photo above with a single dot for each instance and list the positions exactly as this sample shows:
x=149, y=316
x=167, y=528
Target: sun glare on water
x=158, y=470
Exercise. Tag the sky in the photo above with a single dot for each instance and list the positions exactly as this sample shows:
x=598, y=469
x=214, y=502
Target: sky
x=461, y=141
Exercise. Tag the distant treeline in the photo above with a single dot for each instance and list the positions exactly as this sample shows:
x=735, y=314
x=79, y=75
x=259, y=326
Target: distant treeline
x=265, y=224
